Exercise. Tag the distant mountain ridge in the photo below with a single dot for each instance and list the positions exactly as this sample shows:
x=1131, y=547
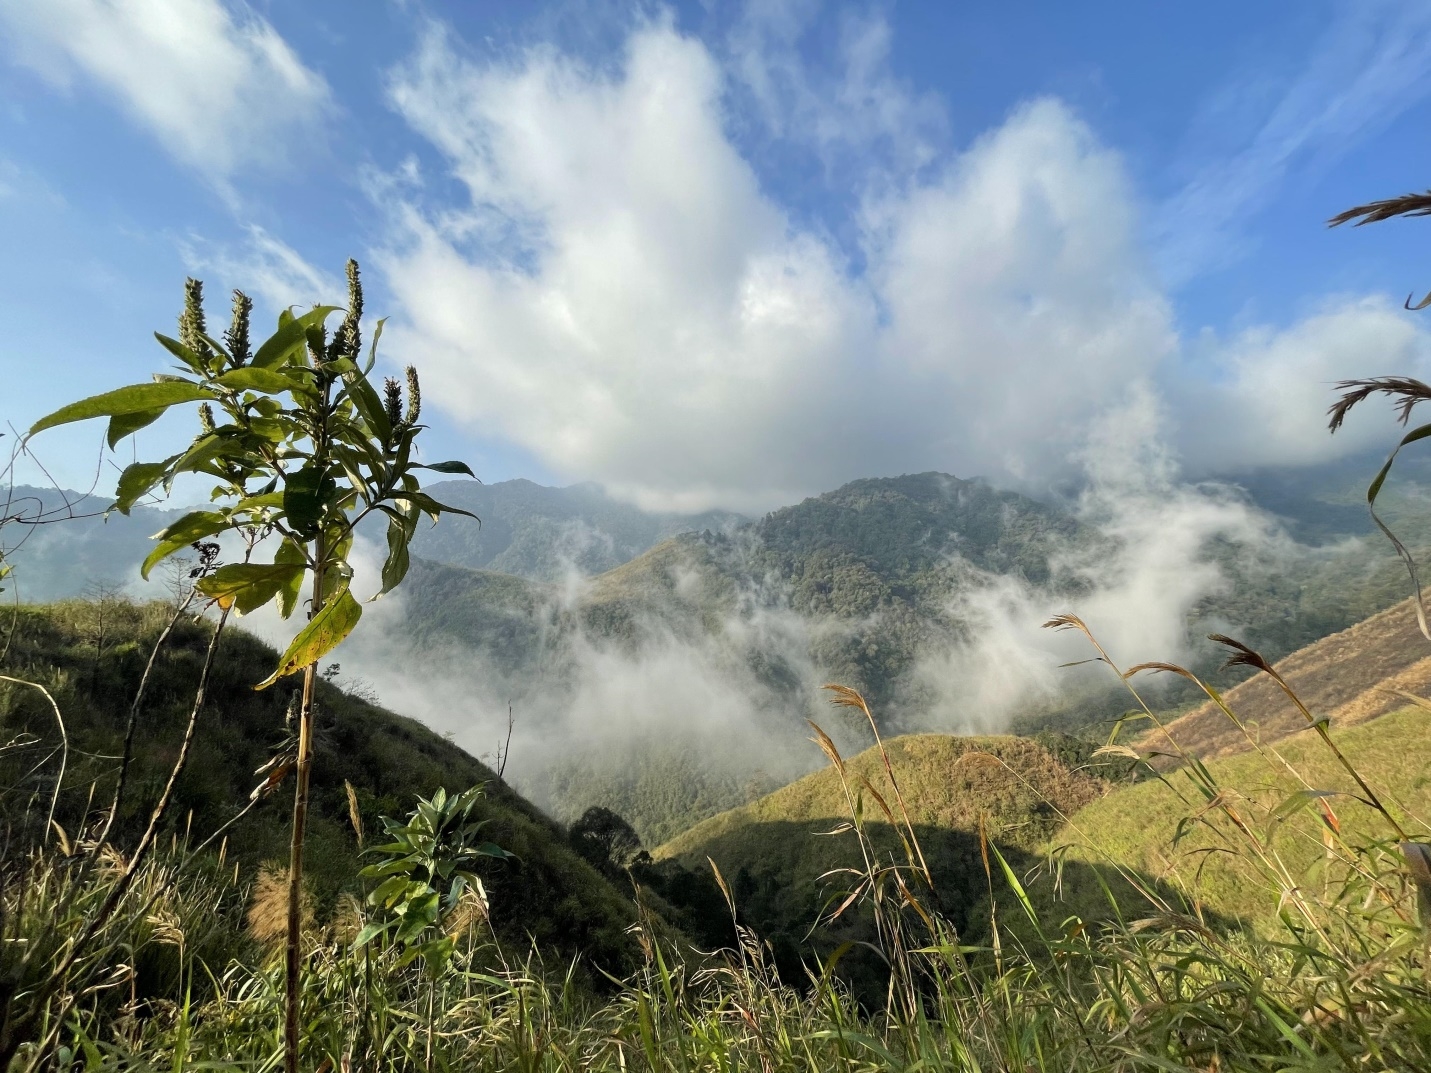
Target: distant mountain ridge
x=589, y=614
x=526, y=529
x=533, y=531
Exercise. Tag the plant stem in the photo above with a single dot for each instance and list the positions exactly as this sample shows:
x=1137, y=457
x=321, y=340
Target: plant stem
x=133, y=723
x=295, y=849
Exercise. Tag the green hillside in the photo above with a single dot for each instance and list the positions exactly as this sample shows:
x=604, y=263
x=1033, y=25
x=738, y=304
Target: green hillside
x=1141, y=826
x=90, y=656
x=775, y=850
x=868, y=575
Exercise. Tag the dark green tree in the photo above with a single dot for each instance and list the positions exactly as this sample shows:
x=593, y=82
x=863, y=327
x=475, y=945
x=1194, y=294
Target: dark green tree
x=605, y=839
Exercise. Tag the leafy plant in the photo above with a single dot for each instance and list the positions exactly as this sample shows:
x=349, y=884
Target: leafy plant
x=424, y=872
x=303, y=447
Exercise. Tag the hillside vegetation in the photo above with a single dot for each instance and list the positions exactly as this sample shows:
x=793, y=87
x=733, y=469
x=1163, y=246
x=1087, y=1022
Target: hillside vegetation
x=1291, y=797
x=784, y=853
x=90, y=656
x=856, y=586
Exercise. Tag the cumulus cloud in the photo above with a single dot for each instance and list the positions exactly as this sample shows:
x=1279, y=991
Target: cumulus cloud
x=1267, y=401
x=619, y=294
x=624, y=299
x=215, y=83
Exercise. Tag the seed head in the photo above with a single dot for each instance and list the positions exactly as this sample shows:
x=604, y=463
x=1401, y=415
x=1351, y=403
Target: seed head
x=237, y=335
x=348, y=340
x=414, y=398
x=392, y=402
x=191, y=320
x=318, y=348
x=206, y=417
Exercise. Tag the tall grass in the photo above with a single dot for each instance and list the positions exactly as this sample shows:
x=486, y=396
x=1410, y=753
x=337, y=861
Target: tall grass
x=1131, y=978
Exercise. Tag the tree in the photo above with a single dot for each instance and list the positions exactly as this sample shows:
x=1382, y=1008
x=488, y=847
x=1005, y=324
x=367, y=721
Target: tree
x=605, y=839
x=303, y=448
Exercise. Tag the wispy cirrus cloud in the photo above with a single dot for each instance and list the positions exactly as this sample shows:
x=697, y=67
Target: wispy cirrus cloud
x=265, y=268
x=1370, y=64
x=214, y=82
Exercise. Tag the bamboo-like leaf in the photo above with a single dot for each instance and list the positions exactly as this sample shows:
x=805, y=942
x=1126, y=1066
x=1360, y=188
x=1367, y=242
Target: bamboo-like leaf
x=135, y=399
x=324, y=632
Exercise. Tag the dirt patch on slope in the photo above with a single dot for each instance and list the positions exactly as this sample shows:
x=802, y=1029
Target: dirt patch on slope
x=1345, y=677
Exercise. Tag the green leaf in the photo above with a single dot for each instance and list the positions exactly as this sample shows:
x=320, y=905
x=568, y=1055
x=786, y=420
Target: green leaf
x=324, y=632
x=396, y=566
x=303, y=499
x=449, y=467
x=431, y=507
x=183, y=353
x=291, y=336
x=289, y=553
x=365, y=399
x=371, y=932
x=269, y=500
x=245, y=586
x=389, y=891
x=122, y=425
x=136, y=480
x=137, y=398
x=373, y=347
x=248, y=378
x=191, y=527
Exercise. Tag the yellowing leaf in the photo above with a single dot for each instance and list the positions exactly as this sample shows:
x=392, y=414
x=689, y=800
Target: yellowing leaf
x=324, y=632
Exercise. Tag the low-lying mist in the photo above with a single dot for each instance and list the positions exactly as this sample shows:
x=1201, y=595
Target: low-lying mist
x=681, y=683
x=699, y=703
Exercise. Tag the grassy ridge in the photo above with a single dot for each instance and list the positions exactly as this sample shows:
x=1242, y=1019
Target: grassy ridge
x=791, y=855
x=1348, y=677
x=1141, y=826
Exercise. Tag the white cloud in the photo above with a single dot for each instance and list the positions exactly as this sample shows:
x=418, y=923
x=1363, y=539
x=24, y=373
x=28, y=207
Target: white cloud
x=859, y=105
x=215, y=84
x=266, y=269
x=1269, y=403
x=677, y=338
x=621, y=297
x=626, y=301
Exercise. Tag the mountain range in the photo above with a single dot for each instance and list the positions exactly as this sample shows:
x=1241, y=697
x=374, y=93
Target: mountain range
x=663, y=664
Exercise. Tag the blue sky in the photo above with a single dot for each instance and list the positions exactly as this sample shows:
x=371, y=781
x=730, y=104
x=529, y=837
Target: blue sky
x=735, y=254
